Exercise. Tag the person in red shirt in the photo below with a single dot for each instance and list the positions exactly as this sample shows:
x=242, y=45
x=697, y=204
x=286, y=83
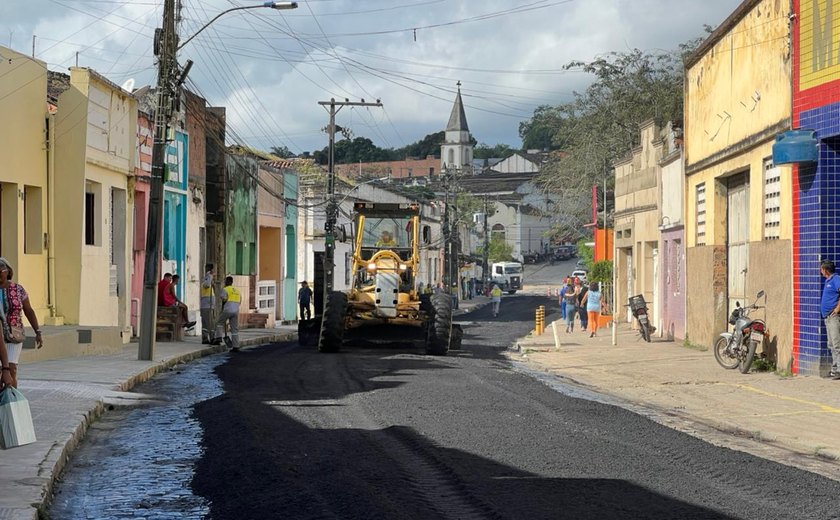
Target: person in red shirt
x=168, y=298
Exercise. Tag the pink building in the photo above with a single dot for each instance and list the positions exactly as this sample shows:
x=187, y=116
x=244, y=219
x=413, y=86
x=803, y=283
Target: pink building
x=143, y=172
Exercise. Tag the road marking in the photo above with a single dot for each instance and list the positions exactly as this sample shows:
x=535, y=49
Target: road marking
x=824, y=407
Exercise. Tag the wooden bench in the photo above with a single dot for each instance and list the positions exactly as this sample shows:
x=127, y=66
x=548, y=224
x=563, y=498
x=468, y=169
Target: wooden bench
x=170, y=324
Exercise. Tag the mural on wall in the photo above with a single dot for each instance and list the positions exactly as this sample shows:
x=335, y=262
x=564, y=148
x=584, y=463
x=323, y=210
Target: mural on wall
x=241, y=214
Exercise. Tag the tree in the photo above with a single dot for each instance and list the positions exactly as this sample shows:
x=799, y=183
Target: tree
x=585, y=253
x=485, y=151
x=601, y=124
x=282, y=151
x=499, y=250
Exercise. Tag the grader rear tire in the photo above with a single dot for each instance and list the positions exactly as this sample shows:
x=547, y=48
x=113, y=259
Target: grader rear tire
x=332, y=325
x=439, y=332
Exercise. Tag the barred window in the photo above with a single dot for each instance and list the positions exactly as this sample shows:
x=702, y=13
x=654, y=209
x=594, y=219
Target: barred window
x=700, y=197
x=772, y=202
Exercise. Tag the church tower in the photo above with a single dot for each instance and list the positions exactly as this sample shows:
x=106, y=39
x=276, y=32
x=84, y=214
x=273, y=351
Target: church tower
x=456, y=152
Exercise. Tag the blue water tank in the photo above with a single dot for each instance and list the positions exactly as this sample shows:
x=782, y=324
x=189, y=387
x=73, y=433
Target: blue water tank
x=796, y=146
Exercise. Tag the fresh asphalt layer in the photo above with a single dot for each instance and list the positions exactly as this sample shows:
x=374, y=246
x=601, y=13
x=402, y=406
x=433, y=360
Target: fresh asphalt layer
x=381, y=430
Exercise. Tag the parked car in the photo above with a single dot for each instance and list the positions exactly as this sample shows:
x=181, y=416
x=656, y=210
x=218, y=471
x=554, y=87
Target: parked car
x=580, y=273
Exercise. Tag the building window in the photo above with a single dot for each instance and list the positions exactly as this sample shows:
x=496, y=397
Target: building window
x=240, y=257
x=33, y=227
x=498, y=231
x=700, y=198
x=431, y=171
x=451, y=157
x=93, y=228
x=410, y=172
x=772, y=200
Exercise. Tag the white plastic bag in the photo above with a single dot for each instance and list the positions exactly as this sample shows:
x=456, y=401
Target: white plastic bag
x=16, y=428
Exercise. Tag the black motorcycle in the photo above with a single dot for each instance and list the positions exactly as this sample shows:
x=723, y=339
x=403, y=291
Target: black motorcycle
x=736, y=349
x=638, y=307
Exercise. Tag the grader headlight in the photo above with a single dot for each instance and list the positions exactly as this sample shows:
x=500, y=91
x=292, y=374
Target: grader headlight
x=403, y=267
x=371, y=266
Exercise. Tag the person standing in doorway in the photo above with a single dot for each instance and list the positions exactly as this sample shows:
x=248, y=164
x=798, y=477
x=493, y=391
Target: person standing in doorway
x=206, y=304
x=304, y=301
x=15, y=301
x=830, y=311
x=231, y=299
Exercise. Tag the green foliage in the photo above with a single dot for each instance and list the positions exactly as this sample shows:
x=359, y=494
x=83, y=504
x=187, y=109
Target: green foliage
x=585, y=253
x=352, y=150
x=485, y=151
x=763, y=364
x=600, y=125
x=499, y=250
x=429, y=145
x=282, y=151
x=467, y=205
x=601, y=271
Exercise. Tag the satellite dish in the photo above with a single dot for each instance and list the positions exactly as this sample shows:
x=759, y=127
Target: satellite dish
x=128, y=86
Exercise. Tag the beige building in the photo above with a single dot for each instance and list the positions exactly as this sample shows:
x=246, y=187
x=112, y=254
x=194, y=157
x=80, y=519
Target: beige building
x=25, y=174
x=637, y=221
x=738, y=203
x=95, y=136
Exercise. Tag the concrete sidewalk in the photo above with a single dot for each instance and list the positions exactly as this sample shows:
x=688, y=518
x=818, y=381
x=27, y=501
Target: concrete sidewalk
x=800, y=414
x=67, y=395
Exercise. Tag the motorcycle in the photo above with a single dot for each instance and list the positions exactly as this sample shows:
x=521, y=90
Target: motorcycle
x=736, y=349
x=638, y=307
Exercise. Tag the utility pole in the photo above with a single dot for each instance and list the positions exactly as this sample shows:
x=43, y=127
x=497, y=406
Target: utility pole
x=486, y=259
x=166, y=45
x=445, y=231
x=332, y=204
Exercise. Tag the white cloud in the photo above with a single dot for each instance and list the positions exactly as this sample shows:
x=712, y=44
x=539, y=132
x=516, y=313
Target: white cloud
x=271, y=83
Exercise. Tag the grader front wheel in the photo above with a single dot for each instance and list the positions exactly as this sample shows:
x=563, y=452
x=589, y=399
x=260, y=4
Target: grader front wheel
x=332, y=325
x=439, y=328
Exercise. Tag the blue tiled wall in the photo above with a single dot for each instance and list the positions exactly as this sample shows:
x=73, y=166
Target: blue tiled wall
x=819, y=234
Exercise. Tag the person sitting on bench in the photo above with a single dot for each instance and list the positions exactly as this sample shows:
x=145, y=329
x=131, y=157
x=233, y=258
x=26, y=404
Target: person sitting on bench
x=168, y=298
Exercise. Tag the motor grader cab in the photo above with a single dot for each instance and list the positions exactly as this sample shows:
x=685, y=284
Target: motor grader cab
x=384, y=287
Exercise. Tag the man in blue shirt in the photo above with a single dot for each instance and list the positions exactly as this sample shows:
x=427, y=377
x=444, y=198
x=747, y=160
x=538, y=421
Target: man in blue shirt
x=830, y=312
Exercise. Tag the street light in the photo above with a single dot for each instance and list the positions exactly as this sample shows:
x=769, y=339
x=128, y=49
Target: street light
x=270, y=5
x=166, y=48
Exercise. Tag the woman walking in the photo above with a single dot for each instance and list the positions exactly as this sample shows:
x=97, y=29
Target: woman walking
x=570, y=300
x=593, y=308
x=15, y=301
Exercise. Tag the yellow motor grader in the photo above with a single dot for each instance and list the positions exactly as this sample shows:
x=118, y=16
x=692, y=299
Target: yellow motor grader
x=384, y=287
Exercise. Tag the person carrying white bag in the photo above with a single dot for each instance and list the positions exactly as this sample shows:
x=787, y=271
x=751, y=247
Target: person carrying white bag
x=16, y=427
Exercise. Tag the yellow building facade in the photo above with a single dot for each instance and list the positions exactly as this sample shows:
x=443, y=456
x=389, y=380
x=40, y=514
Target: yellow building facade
x=738, y=203
x=96, y=128
x=24, y=238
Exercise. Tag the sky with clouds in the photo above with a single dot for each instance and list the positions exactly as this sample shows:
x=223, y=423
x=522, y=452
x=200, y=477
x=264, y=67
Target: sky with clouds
x=270, y=68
